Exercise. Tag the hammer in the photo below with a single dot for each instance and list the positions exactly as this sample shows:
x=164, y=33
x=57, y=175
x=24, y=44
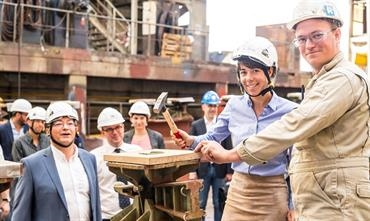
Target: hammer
x=160, y=107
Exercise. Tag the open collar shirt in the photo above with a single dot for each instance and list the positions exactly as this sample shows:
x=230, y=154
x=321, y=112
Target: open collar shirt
x=75, y=184
x=239, y=120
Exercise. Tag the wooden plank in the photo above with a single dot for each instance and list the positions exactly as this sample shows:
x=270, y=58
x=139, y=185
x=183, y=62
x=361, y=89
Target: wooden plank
x=153, y=157
x=9, y=169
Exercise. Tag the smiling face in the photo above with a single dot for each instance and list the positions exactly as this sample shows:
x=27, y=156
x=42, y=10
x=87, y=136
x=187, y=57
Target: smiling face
x=36, y=126
x=139, y=121
x=114, y=134
x=322, y=50
x=253, y=80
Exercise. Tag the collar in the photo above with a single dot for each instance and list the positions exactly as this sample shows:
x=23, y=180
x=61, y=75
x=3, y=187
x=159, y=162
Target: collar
x=59, y=155
x=273, y=103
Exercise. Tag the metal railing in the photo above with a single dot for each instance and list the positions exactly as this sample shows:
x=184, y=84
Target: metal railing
x=116, y=28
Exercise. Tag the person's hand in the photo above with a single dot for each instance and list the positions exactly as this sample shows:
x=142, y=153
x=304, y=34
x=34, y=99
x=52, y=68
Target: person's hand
x=228, y=177
x=213, y=151
x=291, y=215
x=185, y=141
x=5, y=208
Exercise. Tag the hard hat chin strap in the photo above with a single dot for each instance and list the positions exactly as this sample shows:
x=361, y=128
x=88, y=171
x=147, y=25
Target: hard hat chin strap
x=263, y=92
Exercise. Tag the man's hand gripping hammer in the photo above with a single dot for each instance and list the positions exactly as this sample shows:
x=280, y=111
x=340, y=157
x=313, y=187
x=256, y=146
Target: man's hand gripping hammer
x=160, y=107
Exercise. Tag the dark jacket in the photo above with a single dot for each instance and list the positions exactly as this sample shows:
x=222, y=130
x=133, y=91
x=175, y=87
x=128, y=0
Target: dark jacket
x=7, y=139
x=156, y=138
x=198, y=127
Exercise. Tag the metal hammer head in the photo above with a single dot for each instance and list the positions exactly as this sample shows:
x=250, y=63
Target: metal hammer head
x=160, y=103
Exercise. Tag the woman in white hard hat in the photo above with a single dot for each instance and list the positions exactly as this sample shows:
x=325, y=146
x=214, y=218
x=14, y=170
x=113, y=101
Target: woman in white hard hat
x=256, y=192
x=330, y=128
x=140, y=134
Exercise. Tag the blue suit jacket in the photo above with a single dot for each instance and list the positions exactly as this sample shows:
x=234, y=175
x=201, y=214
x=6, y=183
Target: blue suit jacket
x=39, y=193
x=7, y=139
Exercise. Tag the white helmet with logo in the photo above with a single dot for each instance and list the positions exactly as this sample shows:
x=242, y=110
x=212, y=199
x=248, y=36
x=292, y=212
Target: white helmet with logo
x=109, y=116
x=308, y=9
x=60, y=109
x=139, y=107
x=258, y=49
x=21, y=105
x=37, y=113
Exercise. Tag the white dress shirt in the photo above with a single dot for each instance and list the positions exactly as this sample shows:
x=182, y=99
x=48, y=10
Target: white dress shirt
x=109, y=197
x=75, y=185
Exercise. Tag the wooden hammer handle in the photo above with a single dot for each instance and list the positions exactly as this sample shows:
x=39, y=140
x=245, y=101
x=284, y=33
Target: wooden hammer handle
x=172, y=125
x=170, y=121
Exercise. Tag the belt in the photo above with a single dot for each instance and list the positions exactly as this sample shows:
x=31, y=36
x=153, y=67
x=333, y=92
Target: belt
x=329, y=164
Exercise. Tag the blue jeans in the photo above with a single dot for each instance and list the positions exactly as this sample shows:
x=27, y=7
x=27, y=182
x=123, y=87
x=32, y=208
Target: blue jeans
x=216, y=183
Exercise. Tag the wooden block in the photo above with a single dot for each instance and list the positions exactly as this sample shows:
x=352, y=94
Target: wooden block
x=9, y=169
x=153, y=157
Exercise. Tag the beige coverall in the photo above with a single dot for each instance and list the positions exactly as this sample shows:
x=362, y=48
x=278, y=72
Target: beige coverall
x=330, y=166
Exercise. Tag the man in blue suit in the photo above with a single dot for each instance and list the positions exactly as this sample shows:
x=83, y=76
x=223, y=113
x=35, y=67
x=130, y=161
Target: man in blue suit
x=59, y=183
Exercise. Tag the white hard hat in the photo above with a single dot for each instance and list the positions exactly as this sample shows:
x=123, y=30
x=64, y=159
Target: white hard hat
x=37, y=113
x=259, y=49
x=139, y=107
x=21, y=105
x=60, y=109
x=109, y=116
x=308, y=9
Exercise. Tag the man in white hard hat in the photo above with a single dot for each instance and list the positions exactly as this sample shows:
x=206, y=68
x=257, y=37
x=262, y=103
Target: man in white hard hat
x=60, y=182
x=110, y=124
x=140, y=134
x=35, y=139
x=330, y=168
x=15, y=127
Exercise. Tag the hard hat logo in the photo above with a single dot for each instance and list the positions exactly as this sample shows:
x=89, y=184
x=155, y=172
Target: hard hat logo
x=329, y=10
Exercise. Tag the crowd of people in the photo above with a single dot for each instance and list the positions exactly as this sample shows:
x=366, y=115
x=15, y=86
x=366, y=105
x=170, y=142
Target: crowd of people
x=284, y=161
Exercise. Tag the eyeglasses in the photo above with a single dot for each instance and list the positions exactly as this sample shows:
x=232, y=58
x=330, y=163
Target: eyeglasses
x=315, y=37
x=111, y=129
x=60, y=124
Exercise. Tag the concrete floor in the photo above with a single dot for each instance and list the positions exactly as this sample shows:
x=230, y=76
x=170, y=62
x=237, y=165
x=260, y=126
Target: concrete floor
x=209, y=208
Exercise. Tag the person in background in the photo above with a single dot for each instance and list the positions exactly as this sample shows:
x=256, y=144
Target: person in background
x=35, y=139
x=214, y=175
x=140, y=134
x=110, y=124
x=10, y=131
x=3, y=113
x=256, y=192
x=329, y=171
x=15, y=127
x=60, y=182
